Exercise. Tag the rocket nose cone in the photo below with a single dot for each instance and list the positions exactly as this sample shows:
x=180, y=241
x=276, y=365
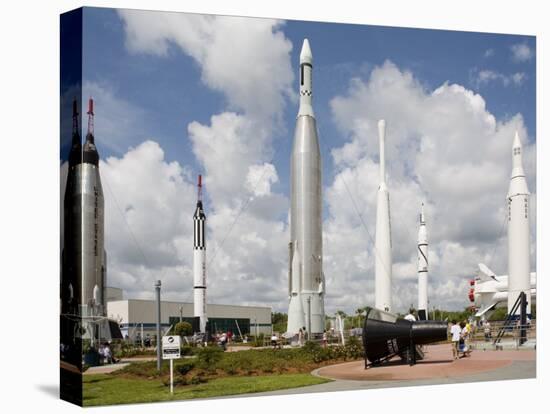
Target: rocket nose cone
x=517, y=141
x=382, y=129
x=305, y=54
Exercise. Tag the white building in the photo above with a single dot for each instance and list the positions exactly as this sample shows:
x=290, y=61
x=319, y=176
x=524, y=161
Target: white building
x=138, y=318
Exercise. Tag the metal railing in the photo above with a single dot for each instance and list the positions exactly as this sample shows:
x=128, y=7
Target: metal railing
x=508, y=334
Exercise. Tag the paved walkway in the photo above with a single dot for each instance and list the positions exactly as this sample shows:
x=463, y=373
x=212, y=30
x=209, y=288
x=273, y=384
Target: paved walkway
x=437, y=368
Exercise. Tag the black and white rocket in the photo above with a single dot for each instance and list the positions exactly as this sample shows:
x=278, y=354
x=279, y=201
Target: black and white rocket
x=383, y=258
x=422, y=267
x=199, y=260
x=518, y=230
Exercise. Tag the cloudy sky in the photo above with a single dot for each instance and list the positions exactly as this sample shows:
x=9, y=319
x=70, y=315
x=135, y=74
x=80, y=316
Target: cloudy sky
x=179, y=95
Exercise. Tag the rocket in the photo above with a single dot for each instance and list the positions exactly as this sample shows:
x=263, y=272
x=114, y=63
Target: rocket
x=383, y=263
x=83, y=257
x=306, y=287
x=489, y=291
x=422, y=268
x=199, y=260
x=518, y=230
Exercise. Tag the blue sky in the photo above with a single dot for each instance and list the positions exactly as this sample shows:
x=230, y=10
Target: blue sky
x=154, y=82
x=170, y=91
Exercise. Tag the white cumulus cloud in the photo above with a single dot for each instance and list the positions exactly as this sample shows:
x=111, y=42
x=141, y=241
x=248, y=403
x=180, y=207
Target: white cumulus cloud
x=486, y=76
x=521, y=52
x=443, y=148
x=244, y=58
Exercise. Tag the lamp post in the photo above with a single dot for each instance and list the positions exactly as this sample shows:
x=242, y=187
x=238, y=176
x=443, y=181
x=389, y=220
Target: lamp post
x=159, y=339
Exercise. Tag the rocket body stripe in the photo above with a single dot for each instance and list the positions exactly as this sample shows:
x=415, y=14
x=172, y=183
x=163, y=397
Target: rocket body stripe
x=422, y=266
x=306, y=281
x=383, y=258
x=518, y=230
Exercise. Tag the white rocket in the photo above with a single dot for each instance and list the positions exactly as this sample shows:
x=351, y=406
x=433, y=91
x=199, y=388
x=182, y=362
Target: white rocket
x=489, y=291
x=383, y=269
x=307, y=286
x=199, y=261
x=422, y=268
x=518, y=230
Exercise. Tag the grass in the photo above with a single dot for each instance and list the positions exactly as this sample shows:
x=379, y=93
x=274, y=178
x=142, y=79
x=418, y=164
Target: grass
x=107, y=389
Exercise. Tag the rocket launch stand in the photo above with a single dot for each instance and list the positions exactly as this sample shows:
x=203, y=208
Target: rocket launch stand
x=521, y=303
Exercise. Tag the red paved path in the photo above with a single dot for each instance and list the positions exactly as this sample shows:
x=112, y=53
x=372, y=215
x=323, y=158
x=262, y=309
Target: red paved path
x=438, y=363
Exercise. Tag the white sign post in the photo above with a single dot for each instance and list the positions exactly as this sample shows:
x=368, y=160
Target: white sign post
x=171, y=350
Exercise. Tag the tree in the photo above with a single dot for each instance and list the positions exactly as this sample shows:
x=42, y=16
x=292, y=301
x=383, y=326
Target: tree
x=183, y=329
x=279, y=321
x=359, y=314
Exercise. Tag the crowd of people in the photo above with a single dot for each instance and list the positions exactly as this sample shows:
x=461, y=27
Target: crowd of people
x=105, y=354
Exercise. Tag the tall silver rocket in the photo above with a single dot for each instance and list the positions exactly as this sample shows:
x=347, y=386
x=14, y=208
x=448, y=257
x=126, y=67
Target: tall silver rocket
x=306, y=278
x=383, y=261
x=422, y=267
x=84, y=257
x=199, y=260
x=518, y=230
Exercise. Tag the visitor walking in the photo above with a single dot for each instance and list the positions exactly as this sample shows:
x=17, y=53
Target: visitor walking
x=455, y=338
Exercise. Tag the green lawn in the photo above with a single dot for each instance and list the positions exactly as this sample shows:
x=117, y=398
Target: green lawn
x=108, y=389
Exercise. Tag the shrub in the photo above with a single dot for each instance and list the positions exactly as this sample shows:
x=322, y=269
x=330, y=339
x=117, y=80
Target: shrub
x=259, y=340
x=186, y=350
x=354, y=348
x=183, y=329
x=311, y=347
x=196, y=378
x=208, y=357
x=185, y=366
x=144, y=369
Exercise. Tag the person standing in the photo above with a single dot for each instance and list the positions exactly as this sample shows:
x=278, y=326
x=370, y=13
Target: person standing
x=274, y=340
x=300, y=337
x=487, y=331
x=464, y=343
x=455, y=338
x=410, y=316
x=325, y=338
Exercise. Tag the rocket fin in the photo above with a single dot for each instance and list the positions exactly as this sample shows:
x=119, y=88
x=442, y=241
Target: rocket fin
x=486, y=309
x=485, y=274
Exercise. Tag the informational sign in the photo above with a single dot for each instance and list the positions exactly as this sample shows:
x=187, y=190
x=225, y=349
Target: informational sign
x=171, y=347
x=171, y=350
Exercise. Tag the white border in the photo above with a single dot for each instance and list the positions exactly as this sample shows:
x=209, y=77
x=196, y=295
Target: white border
x=30, y=202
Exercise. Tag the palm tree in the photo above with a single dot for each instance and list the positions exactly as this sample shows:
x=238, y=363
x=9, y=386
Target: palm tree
x=359, y=314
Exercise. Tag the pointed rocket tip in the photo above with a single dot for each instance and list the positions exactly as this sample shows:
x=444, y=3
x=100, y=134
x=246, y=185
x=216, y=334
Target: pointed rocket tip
x=382, y=128
x=91, y=106
x=517, y=141
x=305, y=55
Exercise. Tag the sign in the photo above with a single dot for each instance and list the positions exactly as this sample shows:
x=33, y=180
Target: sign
x=171, y=347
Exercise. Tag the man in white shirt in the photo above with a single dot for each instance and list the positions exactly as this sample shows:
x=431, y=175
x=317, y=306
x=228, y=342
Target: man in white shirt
x=410, y=316
x=455, y=338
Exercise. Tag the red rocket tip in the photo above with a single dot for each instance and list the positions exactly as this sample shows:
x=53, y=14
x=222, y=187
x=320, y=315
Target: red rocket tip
x=75, y=109
x=200, y=180
x=91, y=106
